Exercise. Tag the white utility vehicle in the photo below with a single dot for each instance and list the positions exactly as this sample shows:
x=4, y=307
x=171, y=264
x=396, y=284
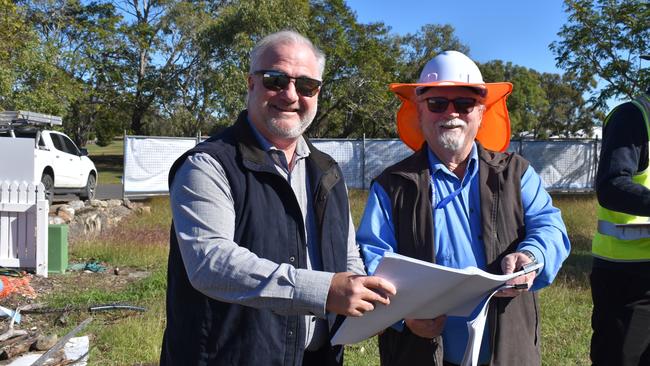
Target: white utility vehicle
x=62, y=167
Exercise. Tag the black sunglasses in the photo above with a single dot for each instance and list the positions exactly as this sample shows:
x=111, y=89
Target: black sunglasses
x=277, y=80
x=440, y=104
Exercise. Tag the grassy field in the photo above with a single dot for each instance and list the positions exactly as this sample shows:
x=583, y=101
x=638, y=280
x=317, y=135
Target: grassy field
x=109, y=161
x=142, y=244
x=116, y=147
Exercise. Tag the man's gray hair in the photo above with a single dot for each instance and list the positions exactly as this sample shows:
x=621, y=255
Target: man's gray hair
x=284, y=37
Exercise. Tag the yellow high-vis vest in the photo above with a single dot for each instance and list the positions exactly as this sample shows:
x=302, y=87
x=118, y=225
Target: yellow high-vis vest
x=627, y=243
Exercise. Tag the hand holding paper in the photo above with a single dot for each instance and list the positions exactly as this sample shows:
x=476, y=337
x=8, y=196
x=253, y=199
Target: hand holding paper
x=353, y=295
x=518, y=284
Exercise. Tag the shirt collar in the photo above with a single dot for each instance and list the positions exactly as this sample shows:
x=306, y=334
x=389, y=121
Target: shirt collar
x=435, y=164
x=302, y=149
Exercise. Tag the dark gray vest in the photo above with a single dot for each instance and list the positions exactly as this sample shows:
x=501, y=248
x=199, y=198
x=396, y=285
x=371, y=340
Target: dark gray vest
x=513, y=322
x=204, y=331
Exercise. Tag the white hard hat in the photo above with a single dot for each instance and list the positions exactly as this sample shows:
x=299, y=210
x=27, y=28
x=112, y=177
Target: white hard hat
x=452, y=68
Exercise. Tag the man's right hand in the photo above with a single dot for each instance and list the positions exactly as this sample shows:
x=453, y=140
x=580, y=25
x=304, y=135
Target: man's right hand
x=352, y=294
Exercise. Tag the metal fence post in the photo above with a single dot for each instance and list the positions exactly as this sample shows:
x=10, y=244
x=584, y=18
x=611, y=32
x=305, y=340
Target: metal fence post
x=595, y=167
x=124, y=166
x=363, y=161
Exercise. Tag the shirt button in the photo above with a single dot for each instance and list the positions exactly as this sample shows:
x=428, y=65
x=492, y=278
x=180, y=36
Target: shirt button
x=292, y=259
x=291, y=333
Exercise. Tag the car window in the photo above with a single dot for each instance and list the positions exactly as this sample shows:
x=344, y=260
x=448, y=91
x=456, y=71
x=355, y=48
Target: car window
x=70, y=146
x=58, y=142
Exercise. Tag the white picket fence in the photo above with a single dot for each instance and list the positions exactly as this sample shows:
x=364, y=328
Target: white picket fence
x=23, y=226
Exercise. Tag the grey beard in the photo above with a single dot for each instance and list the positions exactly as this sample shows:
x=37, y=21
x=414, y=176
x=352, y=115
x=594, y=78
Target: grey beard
x=290, y=133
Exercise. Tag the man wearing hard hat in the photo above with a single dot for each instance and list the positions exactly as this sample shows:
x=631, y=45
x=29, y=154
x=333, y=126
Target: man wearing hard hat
x=620, y=275
x=459, y=200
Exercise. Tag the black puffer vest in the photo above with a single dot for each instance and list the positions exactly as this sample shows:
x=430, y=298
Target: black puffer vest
x=204, y=331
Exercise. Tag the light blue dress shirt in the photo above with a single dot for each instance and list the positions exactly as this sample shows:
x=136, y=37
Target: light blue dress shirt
x=456, y=207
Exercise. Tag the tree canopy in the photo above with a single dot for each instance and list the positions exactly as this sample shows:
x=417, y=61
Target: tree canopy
x=174, y=67
x=604, y=40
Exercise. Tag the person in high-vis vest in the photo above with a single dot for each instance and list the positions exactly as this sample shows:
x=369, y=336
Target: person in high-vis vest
x=620, y=278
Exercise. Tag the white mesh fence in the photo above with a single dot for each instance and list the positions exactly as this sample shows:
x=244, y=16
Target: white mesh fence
x=147, y=161
x=564, y=165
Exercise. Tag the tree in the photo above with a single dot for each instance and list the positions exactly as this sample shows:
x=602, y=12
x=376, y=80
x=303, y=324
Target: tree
x=15, y=33
x=184, y=102
x=422, y=46
x=604, y=39
x=226, y=44
x=361, y=61
x=30, y=76
x=84, y=49
x=566, y=114
x=527, y=100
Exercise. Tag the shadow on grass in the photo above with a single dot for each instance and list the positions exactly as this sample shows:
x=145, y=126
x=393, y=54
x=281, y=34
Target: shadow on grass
x=576, y=268
x=110, y=168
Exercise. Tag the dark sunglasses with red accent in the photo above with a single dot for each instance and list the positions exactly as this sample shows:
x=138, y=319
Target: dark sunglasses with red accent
x=277, y=80
x=440, y=104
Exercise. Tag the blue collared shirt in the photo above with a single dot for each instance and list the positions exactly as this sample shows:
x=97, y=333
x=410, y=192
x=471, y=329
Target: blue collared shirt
x=456, y=206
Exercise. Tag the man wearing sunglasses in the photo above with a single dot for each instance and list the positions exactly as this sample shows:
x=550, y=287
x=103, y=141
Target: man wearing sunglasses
x=459, y=200
x=263, y=254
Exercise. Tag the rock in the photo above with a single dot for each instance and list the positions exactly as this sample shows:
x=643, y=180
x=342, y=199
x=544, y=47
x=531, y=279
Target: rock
x=97, y=215
x=128, y=204
x=146, y=210
x=76, y=204
x=45, y=342
x=92, y=224
x=139, y=274
x=121, y=211
x=67, y=209
x=67, y=217
x=56, y=220
x=112, y=221
x=114, y=203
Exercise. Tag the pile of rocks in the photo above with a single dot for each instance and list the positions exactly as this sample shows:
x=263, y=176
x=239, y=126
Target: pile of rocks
x=88, y=218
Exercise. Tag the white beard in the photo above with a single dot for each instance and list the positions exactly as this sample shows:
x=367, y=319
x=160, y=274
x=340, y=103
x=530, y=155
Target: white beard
x=453, y=140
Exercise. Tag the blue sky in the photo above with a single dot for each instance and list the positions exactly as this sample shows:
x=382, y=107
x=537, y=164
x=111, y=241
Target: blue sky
x=518, y=31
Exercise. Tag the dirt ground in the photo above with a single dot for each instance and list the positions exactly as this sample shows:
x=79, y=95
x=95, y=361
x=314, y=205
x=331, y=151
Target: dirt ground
x=48, y=321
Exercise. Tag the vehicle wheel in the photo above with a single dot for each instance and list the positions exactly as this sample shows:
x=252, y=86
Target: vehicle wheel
x=88, y=192
x=48, y=183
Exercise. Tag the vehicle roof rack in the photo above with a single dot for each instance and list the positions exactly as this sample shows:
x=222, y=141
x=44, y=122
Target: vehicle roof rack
x=26, y=118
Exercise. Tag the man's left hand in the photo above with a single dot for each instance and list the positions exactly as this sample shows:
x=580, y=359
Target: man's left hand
x=510, y=264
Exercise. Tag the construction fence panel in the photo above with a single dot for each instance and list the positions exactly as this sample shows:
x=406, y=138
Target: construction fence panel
x=147, y=161
x=564, y=165
x=348, y=154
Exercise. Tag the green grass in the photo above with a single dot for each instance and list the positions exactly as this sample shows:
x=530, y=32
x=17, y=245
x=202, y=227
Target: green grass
x=109, y=161
x=141, y=243
x=116, y=147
